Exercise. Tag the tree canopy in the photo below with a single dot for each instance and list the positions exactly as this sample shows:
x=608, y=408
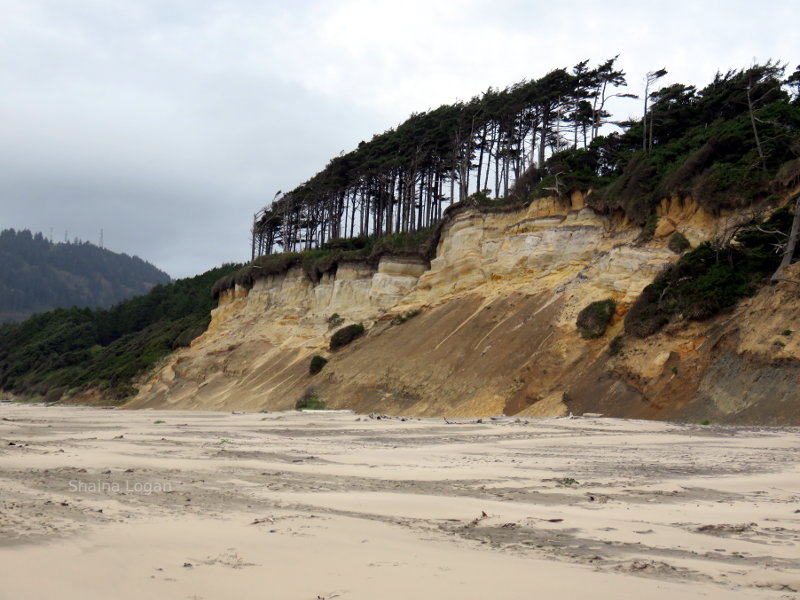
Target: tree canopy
x=548, y=135
x=402, y=179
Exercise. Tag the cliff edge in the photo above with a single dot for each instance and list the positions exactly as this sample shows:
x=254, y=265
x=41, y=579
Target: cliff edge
x=494, y=330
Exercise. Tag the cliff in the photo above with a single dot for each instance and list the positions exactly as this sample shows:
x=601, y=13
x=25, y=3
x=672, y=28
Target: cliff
x=496, y=330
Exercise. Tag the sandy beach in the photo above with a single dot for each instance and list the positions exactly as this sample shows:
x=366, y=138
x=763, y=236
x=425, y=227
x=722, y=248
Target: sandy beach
x=170, y=504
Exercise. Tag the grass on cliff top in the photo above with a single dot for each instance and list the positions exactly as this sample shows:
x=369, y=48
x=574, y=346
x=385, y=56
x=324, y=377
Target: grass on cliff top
x=420, y=243
x=70, y=350
x=326, y=259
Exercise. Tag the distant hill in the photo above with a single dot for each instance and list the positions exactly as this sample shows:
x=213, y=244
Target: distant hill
x=37, y=275
x=76, y=350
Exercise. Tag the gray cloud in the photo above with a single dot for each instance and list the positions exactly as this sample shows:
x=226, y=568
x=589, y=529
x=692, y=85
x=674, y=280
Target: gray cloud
x=168, y=124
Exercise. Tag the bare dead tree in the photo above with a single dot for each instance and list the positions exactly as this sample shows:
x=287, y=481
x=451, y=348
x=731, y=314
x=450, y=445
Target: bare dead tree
x=791, y=244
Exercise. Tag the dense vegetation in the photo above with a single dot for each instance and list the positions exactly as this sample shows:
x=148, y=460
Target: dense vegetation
x=403, y=178
x=712, y=277
x=69, y=350
x=326, y=258
x=731, y=144
x=678, y=243
x=724, y=143
x=37, y=275
x=310, y=401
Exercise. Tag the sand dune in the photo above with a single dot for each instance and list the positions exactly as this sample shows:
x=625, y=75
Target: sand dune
x=170, y=504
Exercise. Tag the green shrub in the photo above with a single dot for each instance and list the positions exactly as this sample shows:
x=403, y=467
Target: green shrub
x=52, y=395
x=649, y=229
x=616, y=345
x=726, y=183
x=594, y=319
x=710, y=278
x=631, y=191
x=481, y=198
x=317, y=363
x=698, y=286
x=345, y=335
x=567, y=481
x=409, y=242
x=349, y=244
x=400, y=319
x=310, y=401
x=121, y=391
x=334, y=320
x=678, y=243
x=576, y=168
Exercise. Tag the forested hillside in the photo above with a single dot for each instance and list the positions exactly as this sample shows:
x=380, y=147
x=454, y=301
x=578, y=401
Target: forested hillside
x=731, y=144
x=73, y=350
x=402, y=179
x=37, y=275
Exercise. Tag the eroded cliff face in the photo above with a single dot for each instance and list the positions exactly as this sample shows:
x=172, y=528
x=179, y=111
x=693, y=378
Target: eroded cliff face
x=496, y=332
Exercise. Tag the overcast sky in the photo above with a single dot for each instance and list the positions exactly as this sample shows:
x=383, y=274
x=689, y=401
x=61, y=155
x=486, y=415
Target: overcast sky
x=168, y=123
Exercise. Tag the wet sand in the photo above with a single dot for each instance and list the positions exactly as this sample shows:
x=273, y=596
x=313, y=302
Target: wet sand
x=171, y=504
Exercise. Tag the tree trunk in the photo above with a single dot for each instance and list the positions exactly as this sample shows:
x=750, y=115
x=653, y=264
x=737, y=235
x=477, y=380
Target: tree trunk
x=353, y=214
x=506, y=170
x=788, y=252
x=390, y=204
x=480, y=160
x=399, y=210
x=253, y=239
x=755, y=133
x=488, y=163
x=545, y=131
x=421, y=200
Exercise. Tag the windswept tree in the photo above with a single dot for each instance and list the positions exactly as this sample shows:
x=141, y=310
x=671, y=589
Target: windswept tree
x=650, y=79
x=606, y=78
x=402, y=179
